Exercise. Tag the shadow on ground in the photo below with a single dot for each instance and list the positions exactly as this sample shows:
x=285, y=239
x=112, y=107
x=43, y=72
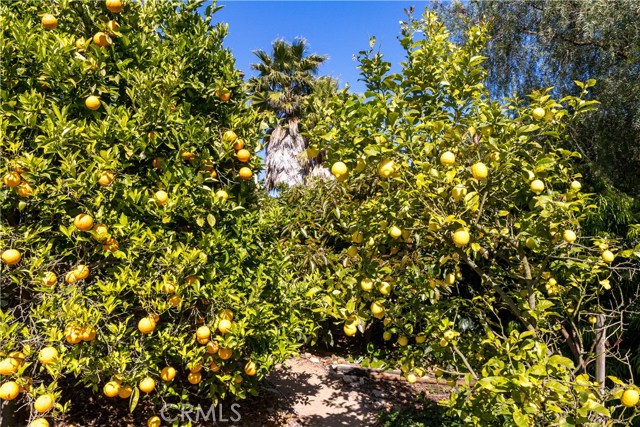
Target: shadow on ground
x=305, y=392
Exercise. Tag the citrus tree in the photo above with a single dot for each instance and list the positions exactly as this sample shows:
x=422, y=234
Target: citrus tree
x=452, y=236
x=135, y=259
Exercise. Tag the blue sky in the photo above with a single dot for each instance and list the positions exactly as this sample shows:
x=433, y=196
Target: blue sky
x=339, y=29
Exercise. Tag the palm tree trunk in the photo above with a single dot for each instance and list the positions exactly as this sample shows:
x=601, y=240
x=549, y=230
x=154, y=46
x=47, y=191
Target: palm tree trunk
x=285, y=165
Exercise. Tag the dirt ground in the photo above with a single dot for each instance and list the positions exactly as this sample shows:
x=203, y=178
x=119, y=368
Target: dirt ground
x=313, y=390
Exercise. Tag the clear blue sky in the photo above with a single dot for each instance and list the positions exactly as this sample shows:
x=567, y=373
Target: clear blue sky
x=339, y=29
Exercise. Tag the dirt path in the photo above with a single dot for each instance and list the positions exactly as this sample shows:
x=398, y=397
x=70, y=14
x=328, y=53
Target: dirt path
x=312, y=390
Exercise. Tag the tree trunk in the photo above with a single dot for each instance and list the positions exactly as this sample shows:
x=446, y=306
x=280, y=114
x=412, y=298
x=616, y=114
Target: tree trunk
x=285, y=163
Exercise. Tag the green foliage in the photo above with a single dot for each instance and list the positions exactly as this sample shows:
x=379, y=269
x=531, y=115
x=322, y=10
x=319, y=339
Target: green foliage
x=159, y=126
x=429, y=416
x=387, y=245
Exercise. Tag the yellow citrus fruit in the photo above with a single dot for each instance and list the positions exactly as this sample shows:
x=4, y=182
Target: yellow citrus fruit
x=366, y=284
x=420, y=338
x=479, y=171
x=223, y=95
x=147, y=385
x=88, y=333
x=403, y=340
x=11, y=256
x=225, y=353
x=539, y=113
x=222, y=195
x=169, y=288
x=629, y=398
x=161, y=197
x=12, y=179
x=112, y=25
x=537, y=186
x=187, y=155
x=111, y=389
x=250, y=369
x=39, y=422
x=81, y=271
x=43, y=403
x=83, y=222
x=411, y=378
x=238, y=144
x=50, y=278
x=114, y=6
x=386, y=335
x=576, y=186
x=377, y=309
x=125, y=391
x=450, y=279
x=146, y=325
x=352, y=251
x=175, y=300
x=80, y=43
x=110, y=245
x=245, y=173
x=168, y=373
x=49, y=21
x=458, y=192
x=569, y=236
x=461, y=237
x=395, y=232
x=106, y=178
x=92, y=102
x=101, y=232
x=203, y=332
x=70, y=277
x=386, y=167
x=447, y=158
x=101, y=39
x=154, y=421
x=361, y=164
x=7, y=367
x=74, y=337
x=243, y=155
x=229, y=136
x=357, y=237
x=226, y=314
x=350, y=328
x=47, y=355
x=9, y=390
x=340, y=171
x=608, y=256
x=224, y=326
x=24, y=190
x=212, y=347
x=385, y=288
x=194, y=377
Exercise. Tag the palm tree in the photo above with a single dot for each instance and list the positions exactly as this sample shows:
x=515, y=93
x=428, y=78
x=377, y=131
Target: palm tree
x=286, y=77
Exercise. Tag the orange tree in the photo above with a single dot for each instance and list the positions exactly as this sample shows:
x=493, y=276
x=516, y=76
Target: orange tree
x=453, y=233
x=135, y=260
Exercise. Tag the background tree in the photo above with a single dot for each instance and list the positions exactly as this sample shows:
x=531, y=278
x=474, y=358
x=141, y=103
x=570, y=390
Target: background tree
x=539, y=43
x=286, y=77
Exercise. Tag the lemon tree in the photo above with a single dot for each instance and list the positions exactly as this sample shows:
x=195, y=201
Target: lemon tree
x=452, y=237
x=136, y=261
